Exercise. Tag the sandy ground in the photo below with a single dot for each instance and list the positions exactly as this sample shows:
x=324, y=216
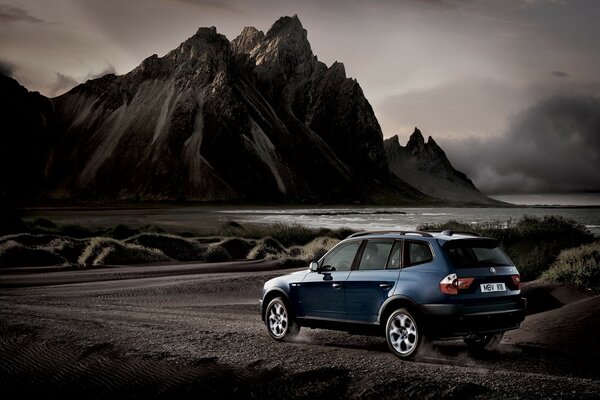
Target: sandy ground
x=194, y=331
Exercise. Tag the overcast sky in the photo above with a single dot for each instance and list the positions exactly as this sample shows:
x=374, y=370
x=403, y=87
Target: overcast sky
x=491, y=81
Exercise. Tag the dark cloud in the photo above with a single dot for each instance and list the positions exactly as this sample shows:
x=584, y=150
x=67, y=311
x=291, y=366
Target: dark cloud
x=553, y=146
x=10, y=14
x=7, y=68
x=218, y=5
x=560, y=74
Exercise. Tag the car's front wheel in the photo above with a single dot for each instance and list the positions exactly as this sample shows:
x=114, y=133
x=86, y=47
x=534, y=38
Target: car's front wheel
x=402, y=334
x=280, y=321
x=484, y=342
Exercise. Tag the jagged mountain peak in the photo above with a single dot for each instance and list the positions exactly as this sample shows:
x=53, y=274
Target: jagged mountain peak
x=290, y=27
x=416, y=140
x=338, y=68
x=247, y=40
x=206, y=31
x=425, y=166
x=204, y=39
x=283, y=49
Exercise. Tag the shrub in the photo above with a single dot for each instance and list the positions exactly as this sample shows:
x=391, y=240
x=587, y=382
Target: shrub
x=450, y=224
x=288, y=234
x=216, y=253
x=340, y=233
x=103, y=251
x=533, y=243
x=76, y=231
x=27, y=239
x=14, y=254
x=122, y=232
x=44, y=223
x=579, y=266
x=172, y=246
x=237, y=248
x=267, y=248
x=11, y=223
x=68, y=248
x=313, y=250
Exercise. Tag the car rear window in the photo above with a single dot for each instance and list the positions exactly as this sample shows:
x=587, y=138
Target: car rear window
x=469, y=256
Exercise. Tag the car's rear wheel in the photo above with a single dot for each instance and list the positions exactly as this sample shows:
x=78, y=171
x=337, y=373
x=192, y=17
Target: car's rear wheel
x=281, y=324
x=402, y=334
x=484, y=342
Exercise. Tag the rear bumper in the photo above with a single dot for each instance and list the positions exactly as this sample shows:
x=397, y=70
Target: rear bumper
x=451, y=320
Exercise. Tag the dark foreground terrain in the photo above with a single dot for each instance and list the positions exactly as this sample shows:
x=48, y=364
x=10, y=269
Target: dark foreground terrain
x=194, y=331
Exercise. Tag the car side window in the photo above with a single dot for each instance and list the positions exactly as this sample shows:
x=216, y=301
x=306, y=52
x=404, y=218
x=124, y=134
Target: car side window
x=375, y=254
x=394, y=260
x=341, y=258
x=416, y=253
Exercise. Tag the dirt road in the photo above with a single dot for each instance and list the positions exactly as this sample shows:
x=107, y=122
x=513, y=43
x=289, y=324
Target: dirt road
x=194, y=331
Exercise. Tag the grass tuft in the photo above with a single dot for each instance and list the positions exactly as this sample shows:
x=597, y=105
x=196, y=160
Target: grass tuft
x=267, y=248
x=15, y=254
x=173, y=246
x=107, y=251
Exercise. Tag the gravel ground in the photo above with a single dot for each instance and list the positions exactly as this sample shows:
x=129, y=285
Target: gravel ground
x=194, y=330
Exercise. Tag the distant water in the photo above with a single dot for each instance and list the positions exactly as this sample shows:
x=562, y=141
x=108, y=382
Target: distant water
x=577, y=199
x=406, y=218
x=202, y=218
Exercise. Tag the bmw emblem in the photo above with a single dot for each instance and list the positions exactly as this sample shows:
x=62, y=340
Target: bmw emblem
x=493, y=270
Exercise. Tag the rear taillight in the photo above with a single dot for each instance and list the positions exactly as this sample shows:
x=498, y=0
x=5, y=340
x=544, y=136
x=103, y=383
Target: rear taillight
x=516, y=280
x=451, y=284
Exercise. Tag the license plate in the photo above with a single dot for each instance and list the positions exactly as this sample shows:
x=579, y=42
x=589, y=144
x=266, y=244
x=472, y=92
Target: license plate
x=492, y=287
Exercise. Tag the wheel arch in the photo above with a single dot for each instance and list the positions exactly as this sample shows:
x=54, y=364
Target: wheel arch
x=270, y=295
x=393, y=303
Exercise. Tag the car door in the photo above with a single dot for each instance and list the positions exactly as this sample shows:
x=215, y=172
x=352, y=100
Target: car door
x=321, y=294
x=369, y=285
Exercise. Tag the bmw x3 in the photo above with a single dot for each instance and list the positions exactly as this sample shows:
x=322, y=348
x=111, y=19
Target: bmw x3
x=407, y=286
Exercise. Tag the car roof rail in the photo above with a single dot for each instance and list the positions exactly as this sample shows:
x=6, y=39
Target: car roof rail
x=450, y=232
x=365, y=233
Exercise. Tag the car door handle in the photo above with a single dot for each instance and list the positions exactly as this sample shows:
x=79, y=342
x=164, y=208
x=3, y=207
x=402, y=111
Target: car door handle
x=336, y=285
x=385, y=285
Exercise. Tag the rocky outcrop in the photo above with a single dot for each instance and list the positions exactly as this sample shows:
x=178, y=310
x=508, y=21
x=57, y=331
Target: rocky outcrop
x=27, y=122
x=424, y=165
x=257, y=119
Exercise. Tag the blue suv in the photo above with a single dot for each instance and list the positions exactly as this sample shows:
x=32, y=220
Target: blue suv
x=407, y=286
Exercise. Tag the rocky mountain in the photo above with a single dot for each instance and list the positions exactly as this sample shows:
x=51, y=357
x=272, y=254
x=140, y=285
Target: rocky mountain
x=424, y=165
x=255, y=119
x=27, y=122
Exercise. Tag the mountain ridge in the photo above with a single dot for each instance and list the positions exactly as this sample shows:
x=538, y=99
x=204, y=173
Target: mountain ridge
x=425, y=166
x=257, y=119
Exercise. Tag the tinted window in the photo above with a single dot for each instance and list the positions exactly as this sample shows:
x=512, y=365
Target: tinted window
x=342, y=256
x=471, y=256
x=416, y=253
x=394, y=261
x=375, y=254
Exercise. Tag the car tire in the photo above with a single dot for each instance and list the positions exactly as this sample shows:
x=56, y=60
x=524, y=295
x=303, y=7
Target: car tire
x=280, y=321
x=484, y=342
x=402, y=334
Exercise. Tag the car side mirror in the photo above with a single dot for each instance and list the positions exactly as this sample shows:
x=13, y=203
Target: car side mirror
x=314, y=266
